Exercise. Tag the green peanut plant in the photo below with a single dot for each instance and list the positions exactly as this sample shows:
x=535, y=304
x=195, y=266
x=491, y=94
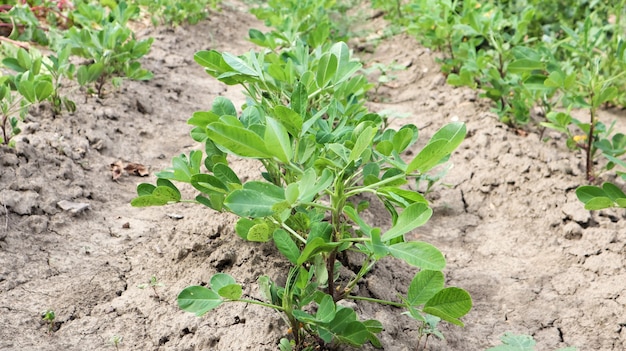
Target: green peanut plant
x=323, y=155
x=175, y=13
x=49, y=316
x=19, y=91
x=112, y=49
x=513, y=342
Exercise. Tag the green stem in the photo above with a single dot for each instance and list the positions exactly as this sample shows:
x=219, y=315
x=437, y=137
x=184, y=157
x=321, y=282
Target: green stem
x=375, y=185
x=369, y=299
x=590, y=177
x=362, y=272
x=291, y=231
x=260, y=303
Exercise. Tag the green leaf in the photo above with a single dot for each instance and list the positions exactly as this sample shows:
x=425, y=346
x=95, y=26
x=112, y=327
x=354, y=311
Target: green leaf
x=43, y=90
x=221, y=280
x=326, y=69
x=208, y=184
x=599, y=203
x=23, y=58
x=606, y=94
x=315, y=247
x=385, y=147
x=250, y=203
x=380, y=249
x=326, y=310
x=145, y=189
x=239, y=65
x=286, y=245
x=419, y=254
x=587, y=192
x=402, y=139
x=259, y=233
x=183, y=167
x=354, y=216
x=148, y=200
x=289, y=118
x=511, y=342
x=440, y=145
x=310, y=186
x=240, y=141
x=424, y=286
x=225, y=174
x=613, y=191
x=232, y=291
x=277, y=140
x=403, y=196
x=166, y=192
x=525, y=65
x=198, y=300
x=242, y=227
x=159, y=196
x=449, y=304
x=212, y=61
x=291, y=193
x=412, y=217
x=223, y=107
x=554, y=80
x=363, y=142
x=203, y=118
x=346, y=328
x=299, y=103
x=12, y=63
x=27, y=89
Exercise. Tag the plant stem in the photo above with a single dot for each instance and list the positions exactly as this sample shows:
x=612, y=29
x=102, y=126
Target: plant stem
x=375, y=185
x=590, y=177
x=260, y=303
x=5, y=139
x=369, y=299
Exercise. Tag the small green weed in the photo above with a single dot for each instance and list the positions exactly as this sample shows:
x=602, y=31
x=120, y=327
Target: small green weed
x=513, y=342
x=153, y=283
x=116, y=340
x=49, y=316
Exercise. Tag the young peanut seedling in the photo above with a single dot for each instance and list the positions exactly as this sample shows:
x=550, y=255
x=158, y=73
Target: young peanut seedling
x=48, y=316
x=153, y=283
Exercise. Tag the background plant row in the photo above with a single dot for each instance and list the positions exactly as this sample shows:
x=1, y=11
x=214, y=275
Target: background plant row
x=46, y=44
x=537, y=61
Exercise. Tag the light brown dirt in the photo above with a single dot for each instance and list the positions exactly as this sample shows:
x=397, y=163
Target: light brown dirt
x=506, y=217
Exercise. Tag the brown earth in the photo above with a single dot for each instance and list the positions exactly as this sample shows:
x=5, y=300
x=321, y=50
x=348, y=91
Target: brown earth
x=506, y=217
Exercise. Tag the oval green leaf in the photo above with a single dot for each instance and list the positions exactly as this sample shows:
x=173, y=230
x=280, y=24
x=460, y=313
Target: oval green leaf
x=198, y=300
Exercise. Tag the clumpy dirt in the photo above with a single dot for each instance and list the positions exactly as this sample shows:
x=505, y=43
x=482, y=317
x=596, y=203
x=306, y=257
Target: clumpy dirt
x=506, y=217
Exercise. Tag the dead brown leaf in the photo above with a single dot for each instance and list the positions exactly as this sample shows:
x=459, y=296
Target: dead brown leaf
x=116, y=170
x=136, y=169
x=131, y=168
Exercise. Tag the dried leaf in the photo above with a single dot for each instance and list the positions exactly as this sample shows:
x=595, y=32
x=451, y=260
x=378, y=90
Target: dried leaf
x=131, y=168
x=136, y=169
x=116, y=170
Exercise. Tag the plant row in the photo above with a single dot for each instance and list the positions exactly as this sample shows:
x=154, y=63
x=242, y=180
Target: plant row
x=324, y=156
x=554, y=56
x=49, y=43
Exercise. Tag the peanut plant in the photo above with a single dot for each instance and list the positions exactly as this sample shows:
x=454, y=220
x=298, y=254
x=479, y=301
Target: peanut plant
x=323, y=153
x=19, y=91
